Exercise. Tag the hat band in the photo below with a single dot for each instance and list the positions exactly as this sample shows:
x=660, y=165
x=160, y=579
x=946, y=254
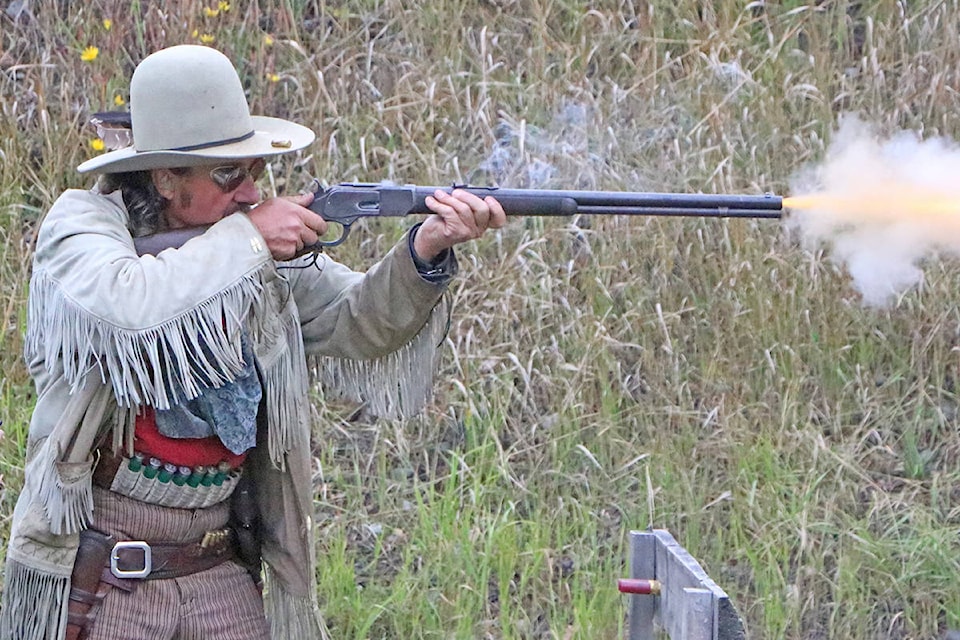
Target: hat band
x=215, y=143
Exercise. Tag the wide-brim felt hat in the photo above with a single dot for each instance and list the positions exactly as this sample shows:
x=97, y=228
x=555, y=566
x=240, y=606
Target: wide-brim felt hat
x=188, y=108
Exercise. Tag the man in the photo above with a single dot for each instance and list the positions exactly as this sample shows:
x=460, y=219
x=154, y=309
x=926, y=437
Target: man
x=168, y=454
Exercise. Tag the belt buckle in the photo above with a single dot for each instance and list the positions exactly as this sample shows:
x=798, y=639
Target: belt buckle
x=131, y=544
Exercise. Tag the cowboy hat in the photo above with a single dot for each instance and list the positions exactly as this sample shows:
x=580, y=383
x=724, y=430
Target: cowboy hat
x=188, y=108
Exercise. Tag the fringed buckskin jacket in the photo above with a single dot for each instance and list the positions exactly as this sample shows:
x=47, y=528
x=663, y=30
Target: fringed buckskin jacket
x=110, y=331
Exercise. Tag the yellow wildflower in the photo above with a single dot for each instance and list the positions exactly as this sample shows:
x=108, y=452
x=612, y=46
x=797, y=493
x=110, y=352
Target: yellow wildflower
x=118, y=100
x=89, y=54
x=272, y=77
x=268, y=40
x=107, y=24
x=207, y=38
x=97, y=144
x=223, y=6
x=195, y=34
x=210, y=13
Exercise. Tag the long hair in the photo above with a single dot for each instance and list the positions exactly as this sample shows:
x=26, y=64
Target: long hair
x=145, y=206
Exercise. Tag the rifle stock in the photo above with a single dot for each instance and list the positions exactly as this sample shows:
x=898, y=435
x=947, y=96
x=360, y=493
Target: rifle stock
x=173, y=239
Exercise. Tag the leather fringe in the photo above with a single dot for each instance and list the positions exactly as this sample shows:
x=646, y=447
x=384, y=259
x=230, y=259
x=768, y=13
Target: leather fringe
x=29, y=597
x=159, y=366
x=64, y=490
x=292, y=617
x=396, y=386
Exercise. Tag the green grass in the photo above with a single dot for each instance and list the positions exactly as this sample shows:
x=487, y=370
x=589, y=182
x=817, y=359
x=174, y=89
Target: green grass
x=714, y=378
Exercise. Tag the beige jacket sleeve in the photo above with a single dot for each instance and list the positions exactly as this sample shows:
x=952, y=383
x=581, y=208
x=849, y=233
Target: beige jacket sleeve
x=95, y=303
x=346, y=314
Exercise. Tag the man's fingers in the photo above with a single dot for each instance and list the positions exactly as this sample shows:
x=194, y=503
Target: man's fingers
x=302, y=199
x=307, y=238
x=470, y=202
x=450, y=204
x=498, y=217
x=313, y=222
x=287, y=225
x=473, y=211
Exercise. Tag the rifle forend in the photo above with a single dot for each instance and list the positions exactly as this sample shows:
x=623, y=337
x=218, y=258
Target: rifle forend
x=346, y=203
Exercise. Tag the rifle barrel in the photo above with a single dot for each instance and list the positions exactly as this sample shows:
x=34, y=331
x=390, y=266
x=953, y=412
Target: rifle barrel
x=554, y=202
x=701, y=212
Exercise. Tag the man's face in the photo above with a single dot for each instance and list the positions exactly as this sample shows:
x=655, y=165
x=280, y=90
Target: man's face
x=201, y=196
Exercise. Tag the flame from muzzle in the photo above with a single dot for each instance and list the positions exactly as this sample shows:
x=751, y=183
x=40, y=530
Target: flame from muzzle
x=883, y=205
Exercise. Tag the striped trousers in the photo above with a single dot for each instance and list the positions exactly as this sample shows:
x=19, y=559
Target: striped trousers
x=221, y=603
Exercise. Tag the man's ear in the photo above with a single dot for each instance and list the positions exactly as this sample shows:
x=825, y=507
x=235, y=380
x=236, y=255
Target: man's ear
x=163, y=180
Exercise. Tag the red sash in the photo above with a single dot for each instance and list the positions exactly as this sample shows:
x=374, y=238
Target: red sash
x=183, y=452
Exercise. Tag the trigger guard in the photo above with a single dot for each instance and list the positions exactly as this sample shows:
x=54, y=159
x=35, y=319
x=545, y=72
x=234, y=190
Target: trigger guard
x=321, y=244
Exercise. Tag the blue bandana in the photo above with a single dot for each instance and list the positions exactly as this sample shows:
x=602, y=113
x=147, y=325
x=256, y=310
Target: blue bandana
x=228, y=412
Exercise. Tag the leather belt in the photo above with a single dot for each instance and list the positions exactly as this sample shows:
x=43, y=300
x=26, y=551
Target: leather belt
x=103, y=562
x=161, y=560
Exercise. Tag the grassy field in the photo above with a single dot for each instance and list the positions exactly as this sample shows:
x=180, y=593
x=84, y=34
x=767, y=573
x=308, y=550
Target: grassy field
x=716, y=378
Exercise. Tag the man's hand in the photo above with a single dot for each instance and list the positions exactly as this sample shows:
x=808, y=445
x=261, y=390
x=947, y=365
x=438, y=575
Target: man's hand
x=458, y=217
x=287, y=226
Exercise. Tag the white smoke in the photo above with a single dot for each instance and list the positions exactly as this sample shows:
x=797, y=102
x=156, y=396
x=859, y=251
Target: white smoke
x=883, y=205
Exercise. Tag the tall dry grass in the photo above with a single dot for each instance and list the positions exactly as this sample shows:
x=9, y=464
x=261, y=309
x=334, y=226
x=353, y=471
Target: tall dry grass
x=711, y=377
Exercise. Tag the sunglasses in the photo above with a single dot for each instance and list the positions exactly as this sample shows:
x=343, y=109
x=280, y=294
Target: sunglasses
x=229, y=177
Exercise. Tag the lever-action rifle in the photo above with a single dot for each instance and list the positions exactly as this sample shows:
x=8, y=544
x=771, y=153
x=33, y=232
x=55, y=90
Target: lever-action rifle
x=346, y=203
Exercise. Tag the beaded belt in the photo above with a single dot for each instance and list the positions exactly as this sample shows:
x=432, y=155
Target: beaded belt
x=162, y=483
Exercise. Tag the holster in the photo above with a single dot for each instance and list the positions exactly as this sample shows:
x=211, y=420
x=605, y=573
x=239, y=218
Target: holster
x=90, y=582
x=246, y=525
